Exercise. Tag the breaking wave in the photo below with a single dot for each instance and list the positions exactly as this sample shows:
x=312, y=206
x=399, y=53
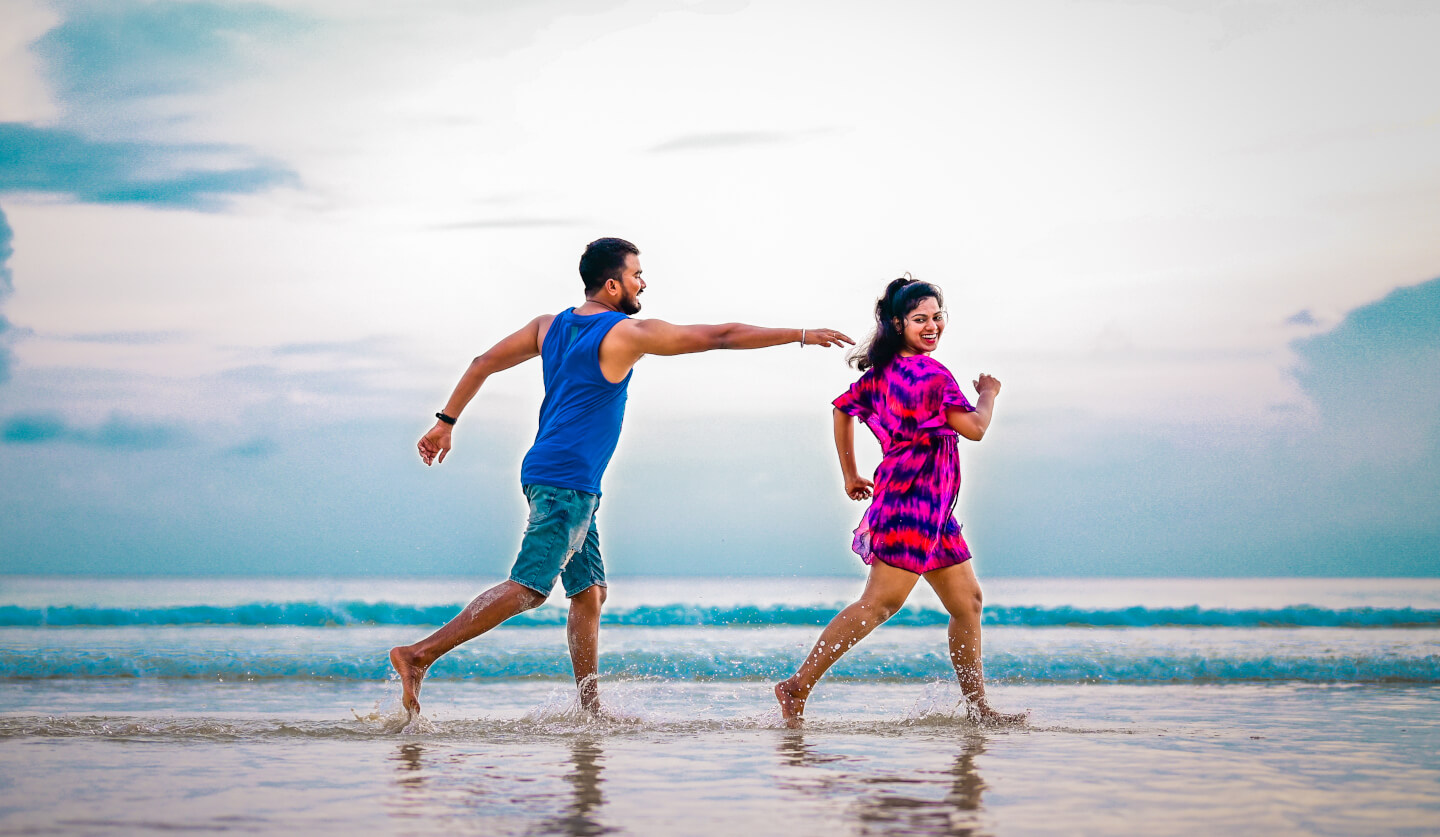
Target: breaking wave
x=323, y=614
x=490, y=663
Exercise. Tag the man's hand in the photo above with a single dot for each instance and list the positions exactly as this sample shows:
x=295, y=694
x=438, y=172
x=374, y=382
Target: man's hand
x=825, y=337
x=435, y=444
x=859, y=488
x=987, y=383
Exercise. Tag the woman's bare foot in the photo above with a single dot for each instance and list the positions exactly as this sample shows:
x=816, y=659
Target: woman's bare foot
x=411, y=674
x=792, y=704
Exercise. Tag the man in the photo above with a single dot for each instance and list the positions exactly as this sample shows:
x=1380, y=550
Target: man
x=587, y=353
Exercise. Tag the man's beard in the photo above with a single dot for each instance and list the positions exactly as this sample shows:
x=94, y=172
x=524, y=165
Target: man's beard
x=630, y=304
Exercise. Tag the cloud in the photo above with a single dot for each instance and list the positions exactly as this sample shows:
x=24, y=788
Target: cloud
x=7, y=284
x=107, y=53
x=1302, y=318
x=122, y=338
x=1371, y=474
x=716, y=7
x=720, y=139
x=106, y=60
x=5, y=356
x=1380, y=360
x=56, y=161
x=509, y=223
x=333, y=388
x=260, y=447
x=116, y=433
x=361, y=346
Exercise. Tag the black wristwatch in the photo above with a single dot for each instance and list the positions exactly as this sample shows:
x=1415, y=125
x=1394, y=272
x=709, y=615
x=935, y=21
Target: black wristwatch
x=445, y=418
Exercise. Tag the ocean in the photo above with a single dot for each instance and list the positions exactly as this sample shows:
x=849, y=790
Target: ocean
x=1158, y=706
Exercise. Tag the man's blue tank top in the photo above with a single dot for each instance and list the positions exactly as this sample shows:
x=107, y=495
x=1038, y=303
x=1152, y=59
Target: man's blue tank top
x=580, y=416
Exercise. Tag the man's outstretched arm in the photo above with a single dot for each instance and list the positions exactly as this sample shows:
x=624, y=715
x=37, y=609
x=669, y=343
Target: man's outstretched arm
x=512, y=351
x=657, y=337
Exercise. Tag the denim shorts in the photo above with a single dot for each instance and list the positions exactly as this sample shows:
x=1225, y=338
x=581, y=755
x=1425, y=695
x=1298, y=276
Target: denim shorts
x=560, y=542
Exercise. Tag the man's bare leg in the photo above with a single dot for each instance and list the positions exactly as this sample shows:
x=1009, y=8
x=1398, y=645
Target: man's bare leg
x=582, y=630
x=885, y=592
x=959, y=592
x=487, y=610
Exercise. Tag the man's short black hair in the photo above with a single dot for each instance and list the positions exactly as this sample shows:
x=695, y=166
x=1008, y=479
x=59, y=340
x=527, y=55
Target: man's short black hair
x=603, y=260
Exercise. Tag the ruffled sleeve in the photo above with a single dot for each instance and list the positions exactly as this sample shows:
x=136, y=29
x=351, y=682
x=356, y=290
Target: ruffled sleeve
x=858, y=400
x=940, y=393
x=951, y=396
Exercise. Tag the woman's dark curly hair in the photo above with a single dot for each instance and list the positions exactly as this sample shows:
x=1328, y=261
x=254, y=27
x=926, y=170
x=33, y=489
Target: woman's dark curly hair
x=900, y=298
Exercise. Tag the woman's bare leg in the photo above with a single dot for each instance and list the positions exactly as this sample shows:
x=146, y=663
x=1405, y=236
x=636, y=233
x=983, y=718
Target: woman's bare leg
x=885, y=592
x=959, y=592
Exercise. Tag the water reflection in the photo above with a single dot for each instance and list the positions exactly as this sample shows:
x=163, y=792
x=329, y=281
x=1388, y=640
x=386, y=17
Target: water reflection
x=587, y=761
x=411, y=776
x=412, y=765
x=428, y=778
x=921, y=802
x=795, y=751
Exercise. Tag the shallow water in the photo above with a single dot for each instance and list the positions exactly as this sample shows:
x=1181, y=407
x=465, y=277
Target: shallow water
x=1160, y=729
x=707, y=758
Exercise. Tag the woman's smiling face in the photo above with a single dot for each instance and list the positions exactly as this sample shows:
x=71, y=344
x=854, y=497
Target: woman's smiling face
x=922, y=327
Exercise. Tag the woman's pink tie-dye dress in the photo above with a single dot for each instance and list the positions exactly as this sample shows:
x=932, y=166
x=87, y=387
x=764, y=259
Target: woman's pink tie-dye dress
x=911, y=520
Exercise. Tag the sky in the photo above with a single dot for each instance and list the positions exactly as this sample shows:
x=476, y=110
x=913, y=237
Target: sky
x=246, y=250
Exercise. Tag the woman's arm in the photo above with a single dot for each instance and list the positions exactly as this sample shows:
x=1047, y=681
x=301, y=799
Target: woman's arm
x=972, y=425
x=856, y=486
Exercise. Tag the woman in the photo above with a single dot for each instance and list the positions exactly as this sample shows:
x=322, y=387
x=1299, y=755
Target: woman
x=916, y=410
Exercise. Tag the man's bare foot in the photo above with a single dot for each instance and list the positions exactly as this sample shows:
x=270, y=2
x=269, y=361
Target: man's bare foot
x=411, y=674
x=589, y=688
x=792, y=704
x=591, y=706
x=981, y=713
x=596, y=712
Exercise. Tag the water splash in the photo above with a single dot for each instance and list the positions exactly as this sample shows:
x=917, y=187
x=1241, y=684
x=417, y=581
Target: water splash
x=389, y=717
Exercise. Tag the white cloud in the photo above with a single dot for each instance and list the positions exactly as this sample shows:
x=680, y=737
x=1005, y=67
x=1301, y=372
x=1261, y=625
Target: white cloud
x=1124, y=203
x=24, y=95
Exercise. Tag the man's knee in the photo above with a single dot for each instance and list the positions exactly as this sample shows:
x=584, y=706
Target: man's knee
x=590, y=599
x=524, y=597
